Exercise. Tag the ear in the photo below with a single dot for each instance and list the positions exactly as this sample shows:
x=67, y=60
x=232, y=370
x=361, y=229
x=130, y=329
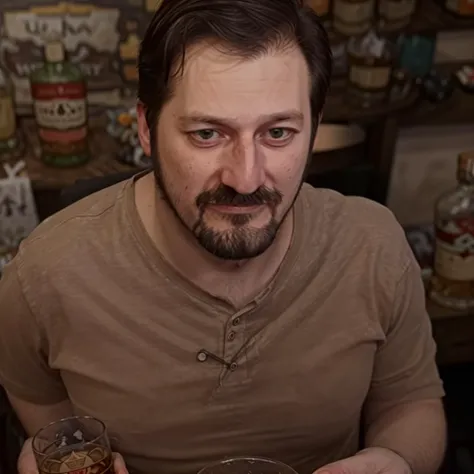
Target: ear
x=143, y=130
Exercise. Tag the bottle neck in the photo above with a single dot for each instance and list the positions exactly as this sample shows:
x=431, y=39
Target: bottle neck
x=54, y=53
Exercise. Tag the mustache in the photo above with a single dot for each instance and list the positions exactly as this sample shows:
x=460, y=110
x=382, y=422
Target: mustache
x=227, y=196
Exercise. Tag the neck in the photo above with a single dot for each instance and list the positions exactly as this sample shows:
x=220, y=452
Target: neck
x=237, y=282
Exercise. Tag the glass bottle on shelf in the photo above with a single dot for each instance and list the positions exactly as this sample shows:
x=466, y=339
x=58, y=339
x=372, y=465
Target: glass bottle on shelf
x=395, y=15
x=59, y=100
x=452, y=283
x=9, y=143
x=371, y=63
x=353, y=17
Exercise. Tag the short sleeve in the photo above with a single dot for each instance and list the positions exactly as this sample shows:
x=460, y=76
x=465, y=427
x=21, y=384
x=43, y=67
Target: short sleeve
x=24, y=370
x=405, y=368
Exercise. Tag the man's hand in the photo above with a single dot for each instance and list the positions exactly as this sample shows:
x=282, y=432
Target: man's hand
x=27, y=461
x=369, y=461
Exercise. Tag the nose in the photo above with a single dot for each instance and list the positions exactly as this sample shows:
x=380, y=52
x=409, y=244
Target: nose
x=243, y=169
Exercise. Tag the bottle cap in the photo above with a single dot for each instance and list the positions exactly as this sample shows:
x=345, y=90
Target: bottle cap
x=466, y=166
x=54, y=52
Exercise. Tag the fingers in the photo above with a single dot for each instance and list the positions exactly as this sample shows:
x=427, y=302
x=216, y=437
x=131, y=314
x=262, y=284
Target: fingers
x=368, y=461
x=353, y=465
x=26, y=461
x=336, y=468
x=119, y=464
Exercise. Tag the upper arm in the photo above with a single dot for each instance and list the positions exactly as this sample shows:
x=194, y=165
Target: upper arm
x=34, y=417
x=405, y=368
x=24, y=370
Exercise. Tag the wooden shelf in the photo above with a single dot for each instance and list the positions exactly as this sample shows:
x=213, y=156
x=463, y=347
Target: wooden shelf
x=45, y=178
x=337, y=108
x=437, y=312
x=457, y=110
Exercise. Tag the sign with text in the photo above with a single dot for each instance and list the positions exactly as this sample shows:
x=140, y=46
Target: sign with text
x=101, y=37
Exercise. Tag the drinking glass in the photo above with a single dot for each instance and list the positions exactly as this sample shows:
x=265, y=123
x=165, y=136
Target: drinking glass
x=76, y=445
x=248, y=465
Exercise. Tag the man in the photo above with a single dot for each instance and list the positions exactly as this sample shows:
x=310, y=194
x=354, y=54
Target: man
x=218, y=307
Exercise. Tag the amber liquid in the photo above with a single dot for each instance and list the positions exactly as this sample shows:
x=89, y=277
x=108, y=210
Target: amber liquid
x=452, y=293
x=86, y=459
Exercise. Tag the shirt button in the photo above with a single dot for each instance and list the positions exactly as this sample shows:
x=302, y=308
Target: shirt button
x=231, y=336
x=233, y=366
x=236, y=321
x=201, y=356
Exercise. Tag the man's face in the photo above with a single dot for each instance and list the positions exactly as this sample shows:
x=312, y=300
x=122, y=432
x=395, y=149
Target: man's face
x=231, y=147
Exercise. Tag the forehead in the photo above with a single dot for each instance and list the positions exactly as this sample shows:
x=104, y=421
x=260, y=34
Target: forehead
x=223, y=85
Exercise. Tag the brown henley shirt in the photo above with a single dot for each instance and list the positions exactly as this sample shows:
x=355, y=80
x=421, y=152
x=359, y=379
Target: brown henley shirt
x=90, y=310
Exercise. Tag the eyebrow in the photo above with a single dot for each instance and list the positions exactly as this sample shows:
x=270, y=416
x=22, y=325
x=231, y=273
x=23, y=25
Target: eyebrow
x=194, y=118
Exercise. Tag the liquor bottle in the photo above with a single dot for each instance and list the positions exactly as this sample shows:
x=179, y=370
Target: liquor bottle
x=452, y=283
x=9, y=143
x=59, y=99
x=128, y=51
x=371, y=64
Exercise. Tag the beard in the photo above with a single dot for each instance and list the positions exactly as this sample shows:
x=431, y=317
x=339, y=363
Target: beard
x=241, y=241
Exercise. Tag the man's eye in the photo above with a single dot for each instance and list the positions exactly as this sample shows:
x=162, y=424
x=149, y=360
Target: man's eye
x=205, y=134
x=279, y=133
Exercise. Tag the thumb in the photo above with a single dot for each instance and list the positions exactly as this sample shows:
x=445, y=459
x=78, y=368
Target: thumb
x=119, y=464
x=26, y=460
x=353, y=465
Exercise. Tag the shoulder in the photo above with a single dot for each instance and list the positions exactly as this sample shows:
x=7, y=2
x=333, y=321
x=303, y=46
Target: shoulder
x=58, y=244
x=361, y=251
x=357, y=231
x=354, y=214
x=78, y=214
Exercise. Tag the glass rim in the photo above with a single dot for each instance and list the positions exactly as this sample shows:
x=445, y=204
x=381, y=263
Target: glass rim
x=246, y=458
x=62, y=420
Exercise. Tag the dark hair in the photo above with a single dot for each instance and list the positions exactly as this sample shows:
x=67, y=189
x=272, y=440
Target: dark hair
x=247, y=28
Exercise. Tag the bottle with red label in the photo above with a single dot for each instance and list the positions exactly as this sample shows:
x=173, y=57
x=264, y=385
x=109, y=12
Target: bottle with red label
x=452, y=283
x=60, y=106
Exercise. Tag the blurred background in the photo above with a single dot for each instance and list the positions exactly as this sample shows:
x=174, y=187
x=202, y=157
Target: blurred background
x=399, y=116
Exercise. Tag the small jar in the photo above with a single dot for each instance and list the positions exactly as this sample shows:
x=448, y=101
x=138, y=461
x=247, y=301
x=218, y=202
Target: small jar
x=353, y=17
x=395, y=15
x=371, y=63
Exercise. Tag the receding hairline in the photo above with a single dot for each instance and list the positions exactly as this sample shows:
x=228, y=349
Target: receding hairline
x=234, y=52
x=227, y=49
